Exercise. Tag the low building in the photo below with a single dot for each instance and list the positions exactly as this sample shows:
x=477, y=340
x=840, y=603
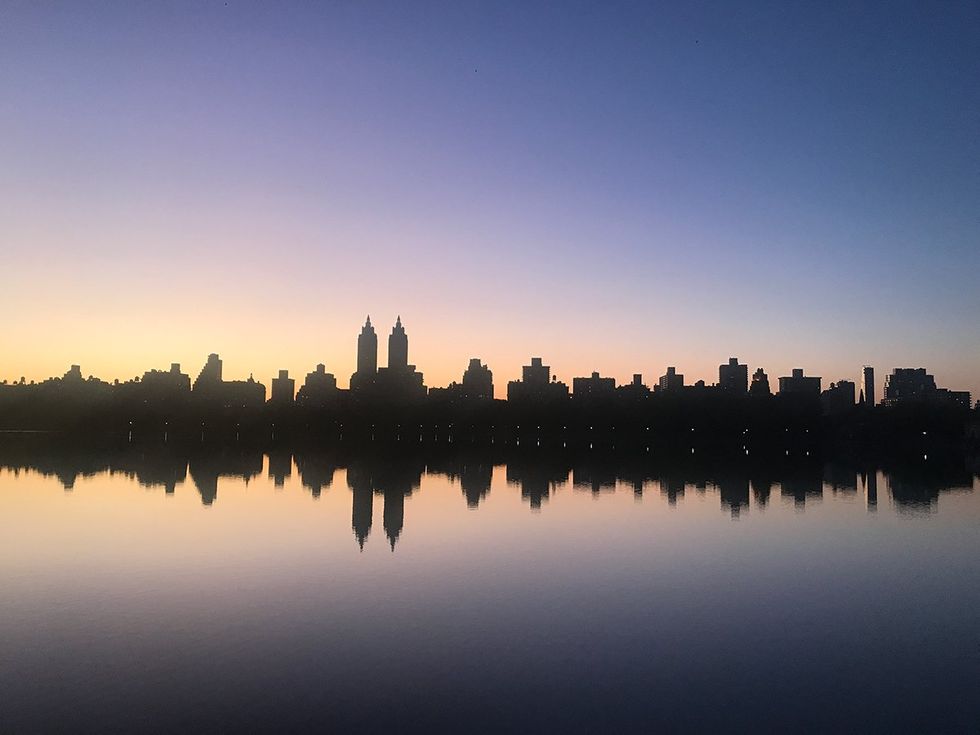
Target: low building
x=593, y=388
x=799, y=384
x=537, y=384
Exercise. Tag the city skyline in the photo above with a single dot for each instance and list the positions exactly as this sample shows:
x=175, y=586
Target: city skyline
x=398, y=379
x=632, y=187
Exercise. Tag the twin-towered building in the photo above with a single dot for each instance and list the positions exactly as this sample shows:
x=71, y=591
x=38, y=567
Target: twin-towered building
x=397, y=381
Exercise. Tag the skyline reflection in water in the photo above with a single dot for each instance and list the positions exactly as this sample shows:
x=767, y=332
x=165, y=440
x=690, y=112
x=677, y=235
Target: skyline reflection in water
x=229, y=588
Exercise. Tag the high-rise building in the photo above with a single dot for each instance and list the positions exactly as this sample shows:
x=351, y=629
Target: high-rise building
x=210, y=374
x=399, y=381
x=537, y=373
x=906, y=385
x=398, y=347
x=760, y=384
x=367, y=349
x=477, y=381
x=800, y=384
x=673, y=380
x=868, y=385
x=909, y=384
x=283, y=388
x=367, y=358
x=733, y=377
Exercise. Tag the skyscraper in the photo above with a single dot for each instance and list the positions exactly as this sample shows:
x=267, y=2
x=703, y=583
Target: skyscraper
x=399, y=380
x=397, y=347
x=868, y=385
x=367, y=350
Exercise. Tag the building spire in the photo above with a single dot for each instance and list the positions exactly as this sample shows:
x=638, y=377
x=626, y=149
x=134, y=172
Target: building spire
x=368, y=322
x=398, y=321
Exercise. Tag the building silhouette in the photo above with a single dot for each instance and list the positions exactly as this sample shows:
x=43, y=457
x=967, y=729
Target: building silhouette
x=909, y=384
x=162, y=385
x=839, y=398
x=399, y=381
x=868, y=386
x=593, y=388
x=760, y=384
x=74, y=375
x=228, y=393
x=915, y=385
x=734, y=377
x=635, y=390
x=398, y=347
x=319, y=389
x=477, y=381
x=671, y=381
x=367, y=358
x=210, y=374
x=536, y=384
x=800, y=384
x=476, y=385
x=283, y=388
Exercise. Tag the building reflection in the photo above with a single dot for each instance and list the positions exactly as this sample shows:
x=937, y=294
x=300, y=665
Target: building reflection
x=392, y=476
x=472, y=471
x=280, y=466
x=913, y=484
x=734, y=492
x=537, y=476
x=316, y=468
x=207, y=466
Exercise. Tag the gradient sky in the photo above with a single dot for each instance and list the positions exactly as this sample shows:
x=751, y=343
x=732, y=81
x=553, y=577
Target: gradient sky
x=613, y=186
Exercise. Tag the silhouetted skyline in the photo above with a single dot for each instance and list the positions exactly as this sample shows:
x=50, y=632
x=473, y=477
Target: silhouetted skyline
x=399, y=380
x=625, y=186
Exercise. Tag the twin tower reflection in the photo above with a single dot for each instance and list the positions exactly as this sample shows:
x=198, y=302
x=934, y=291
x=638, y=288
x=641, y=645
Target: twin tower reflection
x=913, y=485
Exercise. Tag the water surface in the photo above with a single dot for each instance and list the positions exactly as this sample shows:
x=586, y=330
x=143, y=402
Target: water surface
x=270, y=591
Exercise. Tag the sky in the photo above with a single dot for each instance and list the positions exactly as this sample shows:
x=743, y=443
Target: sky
x=611, y=186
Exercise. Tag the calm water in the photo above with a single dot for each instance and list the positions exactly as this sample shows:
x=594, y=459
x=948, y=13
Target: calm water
x=234, y=594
